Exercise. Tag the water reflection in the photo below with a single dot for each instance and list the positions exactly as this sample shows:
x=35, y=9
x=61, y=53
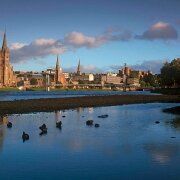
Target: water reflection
x=162, y=153
x=120, y=147
x=175, y=123
x=3, y=120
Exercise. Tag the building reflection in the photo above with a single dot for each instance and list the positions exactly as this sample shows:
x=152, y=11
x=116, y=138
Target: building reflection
x=3, y=120
x=58, y=116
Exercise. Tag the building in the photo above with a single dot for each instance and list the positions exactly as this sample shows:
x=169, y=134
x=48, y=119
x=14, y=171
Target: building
x=7, y=75
x=59, y=77
x=111, y=79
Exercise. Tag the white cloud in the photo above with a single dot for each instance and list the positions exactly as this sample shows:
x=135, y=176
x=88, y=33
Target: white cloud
x=78, y=39
x=38, y=48
x=17, y=45
x=160, y=30
x=21, y=52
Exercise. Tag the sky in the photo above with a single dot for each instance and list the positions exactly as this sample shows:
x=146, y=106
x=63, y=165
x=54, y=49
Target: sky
x=103, y=34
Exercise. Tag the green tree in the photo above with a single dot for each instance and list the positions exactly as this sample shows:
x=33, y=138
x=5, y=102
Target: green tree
x=33, y=81
x=170, y=73
x=134, y=74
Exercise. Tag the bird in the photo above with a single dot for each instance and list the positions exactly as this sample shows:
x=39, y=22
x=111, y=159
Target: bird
x=9, y=125
x=25, y=136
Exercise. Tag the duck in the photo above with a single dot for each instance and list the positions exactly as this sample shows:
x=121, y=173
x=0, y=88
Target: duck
x=103, y=116
x=43, y=129
x=25, y=136
x=9, y=125
x=89, y=122
x=58, y=124
x=96, y=125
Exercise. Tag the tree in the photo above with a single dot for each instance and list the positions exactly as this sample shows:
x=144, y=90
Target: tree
x=33, y=81
x=170, y=73
x=149, y=80
x=134, y=74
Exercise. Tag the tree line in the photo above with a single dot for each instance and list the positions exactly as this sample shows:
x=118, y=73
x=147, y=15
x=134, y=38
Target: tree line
x=168, y=77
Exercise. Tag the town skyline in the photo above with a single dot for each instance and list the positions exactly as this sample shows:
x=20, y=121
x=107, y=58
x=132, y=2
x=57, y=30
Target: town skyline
x=103, y=35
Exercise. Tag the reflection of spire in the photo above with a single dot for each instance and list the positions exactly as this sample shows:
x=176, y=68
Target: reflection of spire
x=57, y=116
x=79, y=68
x=4, y=45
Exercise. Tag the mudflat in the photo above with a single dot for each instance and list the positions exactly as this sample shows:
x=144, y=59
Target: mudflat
x=49, y=105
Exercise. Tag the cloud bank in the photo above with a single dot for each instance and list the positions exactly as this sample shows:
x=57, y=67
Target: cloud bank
x=78, y=39
x=160, y=30
x=21, y=52
x=39, y=48
x=152, y=65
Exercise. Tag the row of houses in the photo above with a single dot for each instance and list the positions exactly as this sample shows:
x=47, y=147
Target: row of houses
x=57, y=78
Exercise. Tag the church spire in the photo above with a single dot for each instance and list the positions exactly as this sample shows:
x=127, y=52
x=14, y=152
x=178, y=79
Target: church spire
x=4, y=45
x=57, y=62
x=79, y=68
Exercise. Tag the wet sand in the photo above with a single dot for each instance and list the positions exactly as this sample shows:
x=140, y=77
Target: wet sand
x=49, y=105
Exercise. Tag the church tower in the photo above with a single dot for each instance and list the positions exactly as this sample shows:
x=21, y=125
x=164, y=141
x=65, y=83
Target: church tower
x=4, y=63
x=59, y=76
x=7, y=75
x=79, y=68
x=57, y=71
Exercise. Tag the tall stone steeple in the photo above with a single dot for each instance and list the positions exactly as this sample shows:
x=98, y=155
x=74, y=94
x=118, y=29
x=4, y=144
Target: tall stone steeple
x=4, y=45
x=57, y=71
x=59, y=76
x=79, y=68
x=7, y=76
x=57, y=63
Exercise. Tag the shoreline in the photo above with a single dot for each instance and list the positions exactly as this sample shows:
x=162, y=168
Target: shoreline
x=50, y=104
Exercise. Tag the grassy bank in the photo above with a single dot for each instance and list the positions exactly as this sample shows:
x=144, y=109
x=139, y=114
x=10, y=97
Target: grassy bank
x=4, y=89
x=167, y=91
x=49, y=105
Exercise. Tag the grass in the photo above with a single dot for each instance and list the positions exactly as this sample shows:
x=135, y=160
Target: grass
x=4, y=89
x=167, y=91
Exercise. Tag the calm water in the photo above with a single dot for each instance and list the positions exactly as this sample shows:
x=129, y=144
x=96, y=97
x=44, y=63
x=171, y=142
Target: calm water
x=127, y=145
x=10, y=96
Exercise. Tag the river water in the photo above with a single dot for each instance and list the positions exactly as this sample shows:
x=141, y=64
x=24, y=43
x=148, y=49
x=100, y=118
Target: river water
x=127, y=145
x=10, y=95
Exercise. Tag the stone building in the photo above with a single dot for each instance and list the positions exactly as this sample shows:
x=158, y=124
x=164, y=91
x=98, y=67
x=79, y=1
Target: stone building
x=7, y=75
x=59, y=77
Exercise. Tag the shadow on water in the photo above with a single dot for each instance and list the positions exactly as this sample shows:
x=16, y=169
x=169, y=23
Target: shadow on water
x=175, y=123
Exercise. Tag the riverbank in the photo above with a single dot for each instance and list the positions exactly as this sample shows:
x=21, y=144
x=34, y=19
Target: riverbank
x=167, y=91
x=173, y=110
x=49, y=105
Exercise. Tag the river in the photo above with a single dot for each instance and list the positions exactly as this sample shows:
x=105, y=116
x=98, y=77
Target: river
x=127, y=145
x=18, y=95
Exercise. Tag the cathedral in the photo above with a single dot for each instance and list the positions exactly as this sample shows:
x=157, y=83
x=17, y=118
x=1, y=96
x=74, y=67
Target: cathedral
x=7, y=75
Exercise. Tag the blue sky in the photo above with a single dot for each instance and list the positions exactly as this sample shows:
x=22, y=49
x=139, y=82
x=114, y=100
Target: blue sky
x=102, y=34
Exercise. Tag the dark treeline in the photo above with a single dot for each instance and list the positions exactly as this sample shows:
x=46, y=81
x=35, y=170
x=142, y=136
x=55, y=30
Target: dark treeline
x=169, y=76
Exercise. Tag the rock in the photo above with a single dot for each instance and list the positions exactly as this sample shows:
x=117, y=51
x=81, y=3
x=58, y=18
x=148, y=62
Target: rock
x=103, y=116
x=157, y=122
x=89, y=122
x=96, y=125
x=25, y=136
x=9, y=125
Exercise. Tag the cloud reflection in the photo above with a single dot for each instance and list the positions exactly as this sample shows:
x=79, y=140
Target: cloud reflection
x=162, y=153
